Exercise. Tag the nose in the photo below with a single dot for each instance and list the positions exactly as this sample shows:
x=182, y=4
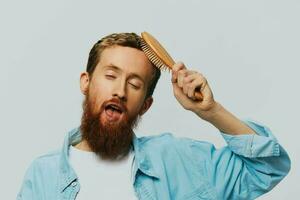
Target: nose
x=120, y=91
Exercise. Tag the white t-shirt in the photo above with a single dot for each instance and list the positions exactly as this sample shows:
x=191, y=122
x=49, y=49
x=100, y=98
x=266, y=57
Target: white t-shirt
x=102, y=179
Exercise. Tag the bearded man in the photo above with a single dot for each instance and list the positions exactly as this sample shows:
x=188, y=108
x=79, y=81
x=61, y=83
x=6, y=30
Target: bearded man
x=104, y=159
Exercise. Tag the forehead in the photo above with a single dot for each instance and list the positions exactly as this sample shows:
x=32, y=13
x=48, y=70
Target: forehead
x=128, y=59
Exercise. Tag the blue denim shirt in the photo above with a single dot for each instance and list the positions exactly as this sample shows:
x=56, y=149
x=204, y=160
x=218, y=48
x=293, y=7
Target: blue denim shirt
x=167, y=167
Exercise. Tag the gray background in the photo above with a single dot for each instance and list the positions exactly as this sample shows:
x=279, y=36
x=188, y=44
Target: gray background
x=248, y=51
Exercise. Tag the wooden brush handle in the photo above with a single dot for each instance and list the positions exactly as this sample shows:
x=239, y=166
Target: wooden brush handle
x=198, y=95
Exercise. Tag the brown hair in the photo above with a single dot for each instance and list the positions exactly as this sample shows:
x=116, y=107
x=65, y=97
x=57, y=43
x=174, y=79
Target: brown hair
x=121, y=39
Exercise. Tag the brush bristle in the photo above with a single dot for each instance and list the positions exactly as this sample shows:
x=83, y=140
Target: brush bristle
x=152, y=56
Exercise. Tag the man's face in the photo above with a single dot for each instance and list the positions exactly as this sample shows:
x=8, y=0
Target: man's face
x=122, y=73
x=115, y=98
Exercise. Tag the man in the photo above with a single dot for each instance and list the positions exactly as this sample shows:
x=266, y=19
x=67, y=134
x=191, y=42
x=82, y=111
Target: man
x=104, y=159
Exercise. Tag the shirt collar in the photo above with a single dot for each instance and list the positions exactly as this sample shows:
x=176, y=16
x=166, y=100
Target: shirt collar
x=142, y=162
x=67, y=173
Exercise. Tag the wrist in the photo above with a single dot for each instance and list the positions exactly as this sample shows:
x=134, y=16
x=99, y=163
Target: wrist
x=210, y=114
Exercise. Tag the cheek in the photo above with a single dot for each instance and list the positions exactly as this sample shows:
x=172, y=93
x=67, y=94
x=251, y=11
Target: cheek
x=100, y=89
x=96, y=97
x=136, y=103
x=93, y=103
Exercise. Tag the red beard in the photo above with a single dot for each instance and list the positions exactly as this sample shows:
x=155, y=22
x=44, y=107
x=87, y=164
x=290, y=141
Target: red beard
x=110, y=140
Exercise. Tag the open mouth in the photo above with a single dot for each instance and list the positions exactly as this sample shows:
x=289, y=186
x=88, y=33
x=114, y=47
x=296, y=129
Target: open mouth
x=113, y=111
x=114, y=108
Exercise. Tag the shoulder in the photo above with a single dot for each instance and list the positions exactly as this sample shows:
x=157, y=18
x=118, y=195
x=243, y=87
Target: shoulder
x=160, y=140
x=43, y=169
x=171, y=139
x=48, y=157
x=168, y=142
x=44, y=162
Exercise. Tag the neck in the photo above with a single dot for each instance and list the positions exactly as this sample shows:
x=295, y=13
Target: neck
x=83, y=145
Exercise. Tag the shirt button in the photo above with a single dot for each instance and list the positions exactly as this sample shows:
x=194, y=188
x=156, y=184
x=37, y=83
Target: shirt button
x=74, y=184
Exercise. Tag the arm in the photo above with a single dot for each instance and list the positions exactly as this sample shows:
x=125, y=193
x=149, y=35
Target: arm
x=252, y=163
x=255, y=163
x=185, y=82
x=227, y=122
x=249, y=166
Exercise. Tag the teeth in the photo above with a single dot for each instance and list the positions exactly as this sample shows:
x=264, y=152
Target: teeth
x=115, y=108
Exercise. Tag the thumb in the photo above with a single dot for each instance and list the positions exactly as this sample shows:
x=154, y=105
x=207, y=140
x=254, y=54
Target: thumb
x=174, y=77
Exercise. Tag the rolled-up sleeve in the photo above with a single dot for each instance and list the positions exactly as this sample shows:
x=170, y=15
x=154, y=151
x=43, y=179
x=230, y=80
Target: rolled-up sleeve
x=249, y=166
x=261, y=144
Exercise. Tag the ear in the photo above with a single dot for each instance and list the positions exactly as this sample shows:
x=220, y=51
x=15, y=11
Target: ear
x=84, y=82
x=147, y=104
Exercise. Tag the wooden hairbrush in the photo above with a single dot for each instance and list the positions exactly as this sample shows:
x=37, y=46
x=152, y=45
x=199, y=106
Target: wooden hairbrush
x=159, y=56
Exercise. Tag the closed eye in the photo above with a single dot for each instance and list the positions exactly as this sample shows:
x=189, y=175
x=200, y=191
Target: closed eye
x=110, y=77
x=134, y=86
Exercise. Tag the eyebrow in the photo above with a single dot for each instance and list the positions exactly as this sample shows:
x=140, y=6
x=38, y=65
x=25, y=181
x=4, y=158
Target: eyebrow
x=131, y=75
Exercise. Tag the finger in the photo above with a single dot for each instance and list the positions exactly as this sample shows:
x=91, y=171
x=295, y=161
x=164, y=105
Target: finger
x=174, y=77
x=199, y=82
x=185, y=88
x=184, y=77
x=180, y=77
x=178, y=66
x=175, y=68
x=178, y=91
x=191, y=75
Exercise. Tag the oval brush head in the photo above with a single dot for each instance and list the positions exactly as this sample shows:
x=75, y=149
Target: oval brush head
x=159, y=56
x=156, y=52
